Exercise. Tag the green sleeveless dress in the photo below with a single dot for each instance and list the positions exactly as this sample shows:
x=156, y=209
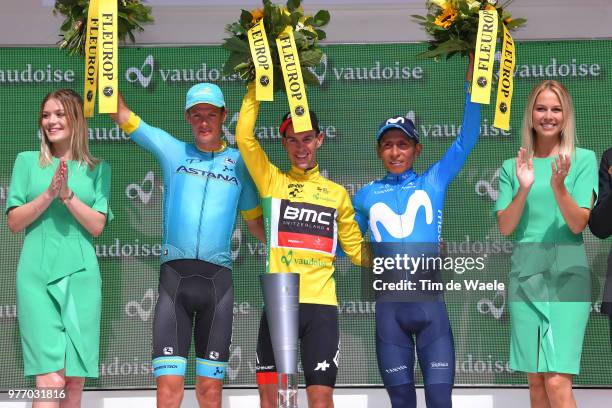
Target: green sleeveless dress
x=58, y=278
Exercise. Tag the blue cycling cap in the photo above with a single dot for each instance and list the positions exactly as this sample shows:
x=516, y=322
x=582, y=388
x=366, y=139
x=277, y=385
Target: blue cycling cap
x=205, y=93
x=398, y=122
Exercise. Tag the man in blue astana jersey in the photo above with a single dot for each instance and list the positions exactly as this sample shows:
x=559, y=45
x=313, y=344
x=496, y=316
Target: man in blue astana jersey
x=205, y=183
x=403, y=209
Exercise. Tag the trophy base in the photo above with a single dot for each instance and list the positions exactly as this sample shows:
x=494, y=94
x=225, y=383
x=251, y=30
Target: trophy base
x=287, y=396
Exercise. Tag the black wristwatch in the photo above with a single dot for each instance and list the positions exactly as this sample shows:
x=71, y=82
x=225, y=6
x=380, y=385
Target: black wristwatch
x=63, y=200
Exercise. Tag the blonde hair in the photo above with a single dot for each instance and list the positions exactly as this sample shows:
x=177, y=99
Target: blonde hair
x=79, y=132
x=568, y=128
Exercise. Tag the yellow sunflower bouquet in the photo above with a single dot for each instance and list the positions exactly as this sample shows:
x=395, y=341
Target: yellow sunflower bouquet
x=453, y=24
x=93, y=29
x=267, y=24
x=132, y=15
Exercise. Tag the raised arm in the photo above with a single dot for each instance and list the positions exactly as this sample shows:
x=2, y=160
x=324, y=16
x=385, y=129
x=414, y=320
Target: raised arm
x=20, y=212
x=254, y=156
x=510, y=208
x=443, y=172
x=93, y=218
x=574, y=211
x=123, y=112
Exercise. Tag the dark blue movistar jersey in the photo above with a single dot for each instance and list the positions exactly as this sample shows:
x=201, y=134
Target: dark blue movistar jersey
x=408, y=207
x=202, y=193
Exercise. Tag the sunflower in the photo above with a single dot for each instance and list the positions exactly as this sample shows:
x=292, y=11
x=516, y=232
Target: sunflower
x=257, y=14
x=447, y=17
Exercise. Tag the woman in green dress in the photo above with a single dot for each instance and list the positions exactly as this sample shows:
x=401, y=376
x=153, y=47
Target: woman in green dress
x=545, y=198
x=59, y=195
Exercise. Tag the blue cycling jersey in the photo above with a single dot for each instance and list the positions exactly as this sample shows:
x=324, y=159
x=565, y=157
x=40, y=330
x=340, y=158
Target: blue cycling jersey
x=202, y=193
x=408, y=207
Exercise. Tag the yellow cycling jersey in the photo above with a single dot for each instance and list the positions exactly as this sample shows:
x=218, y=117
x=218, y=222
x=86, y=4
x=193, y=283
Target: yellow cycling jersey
x=305, y=216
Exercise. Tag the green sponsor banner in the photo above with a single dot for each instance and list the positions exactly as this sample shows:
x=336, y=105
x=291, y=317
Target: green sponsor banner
x=361, y=85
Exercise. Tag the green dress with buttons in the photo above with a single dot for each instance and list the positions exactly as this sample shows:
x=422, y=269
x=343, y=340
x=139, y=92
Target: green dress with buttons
x=58, y=278
x=549, y=287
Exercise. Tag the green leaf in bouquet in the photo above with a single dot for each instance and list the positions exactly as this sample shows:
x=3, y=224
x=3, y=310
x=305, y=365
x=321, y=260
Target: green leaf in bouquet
x=295, y=18
x=285, y=20
x=309, y=77
x=311, y=58
x=452, y=45
x=246, y=18
x=464, y=8
x=321, y=18
x=66, y=25
x=235, y=29
x=299, y=39
x=309, y=34
x=515, y=23
x=237, y=45
x=321, y=34
x=293, y=5
x=234, y=60
x=418, y=17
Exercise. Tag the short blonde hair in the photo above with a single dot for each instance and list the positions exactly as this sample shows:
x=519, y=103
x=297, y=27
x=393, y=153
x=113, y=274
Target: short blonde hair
x=79, y=131
x=568, y=127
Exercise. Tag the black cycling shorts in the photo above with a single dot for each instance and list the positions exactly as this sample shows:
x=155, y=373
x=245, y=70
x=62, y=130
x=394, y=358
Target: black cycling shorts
x=199, y=295
x=319, y=336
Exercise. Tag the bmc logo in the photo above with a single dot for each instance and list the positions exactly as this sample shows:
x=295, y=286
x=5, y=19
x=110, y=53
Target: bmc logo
x=308, y=215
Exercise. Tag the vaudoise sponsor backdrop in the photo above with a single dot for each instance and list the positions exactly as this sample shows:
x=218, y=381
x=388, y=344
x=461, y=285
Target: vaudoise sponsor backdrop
x=361, y=85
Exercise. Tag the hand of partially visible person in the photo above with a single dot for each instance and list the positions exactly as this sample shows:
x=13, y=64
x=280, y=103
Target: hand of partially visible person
x=56, y=183
x=524, y=170
x=560, y=168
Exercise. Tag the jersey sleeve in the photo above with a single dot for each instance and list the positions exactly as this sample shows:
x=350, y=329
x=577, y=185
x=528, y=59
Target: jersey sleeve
x=506, y=186
x=585, y=184
x=20, y=180
x=254, y=156
x=249, y=199
x=157, y=141
x=600, y=221
x=349, y=234
x=102, y=185
x=443, y=172
x=361, y=213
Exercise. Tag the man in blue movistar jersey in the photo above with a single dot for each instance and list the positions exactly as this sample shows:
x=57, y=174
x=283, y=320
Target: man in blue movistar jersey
x=391, y=209
x=205, y=183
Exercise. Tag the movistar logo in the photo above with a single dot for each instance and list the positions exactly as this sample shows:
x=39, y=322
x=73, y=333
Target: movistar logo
x=207, y=174
x=400, y=226
x=288, y=260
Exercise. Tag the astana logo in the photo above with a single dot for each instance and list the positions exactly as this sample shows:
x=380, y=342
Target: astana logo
x=142, y=75
x=394, y=223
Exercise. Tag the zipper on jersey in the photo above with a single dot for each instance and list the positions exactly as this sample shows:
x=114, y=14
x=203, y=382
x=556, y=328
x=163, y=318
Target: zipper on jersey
x=398, y=210
x=203, y=205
